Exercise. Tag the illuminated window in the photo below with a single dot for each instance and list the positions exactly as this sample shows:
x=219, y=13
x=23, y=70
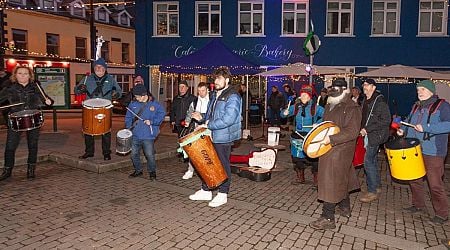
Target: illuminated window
x=207, y=18
x=295, y=18
x=433, y=17
x=340, y=18
x=166, y=18
x=251, y=18
x=385, y=17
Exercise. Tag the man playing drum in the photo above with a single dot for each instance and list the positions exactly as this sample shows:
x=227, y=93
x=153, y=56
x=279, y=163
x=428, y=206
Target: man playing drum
x=98, y=85
x=223, y=118
x=306, y=114
x=27, y=92
x=376, y=119
x=337, y=176
x=430, y=117
x=143, y=118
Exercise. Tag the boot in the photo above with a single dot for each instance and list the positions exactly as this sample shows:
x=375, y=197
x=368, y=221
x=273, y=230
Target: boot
x=6, y=173
x=30, y=171
x=315, y=183
x=300, y=178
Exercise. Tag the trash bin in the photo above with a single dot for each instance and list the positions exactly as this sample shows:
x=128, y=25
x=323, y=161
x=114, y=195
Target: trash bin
x=254, y=113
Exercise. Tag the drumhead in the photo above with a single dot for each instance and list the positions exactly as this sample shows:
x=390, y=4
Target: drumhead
x=124, y=133
x=402, y=143
x=96, y=103
x=25, y=113
x=312, y=145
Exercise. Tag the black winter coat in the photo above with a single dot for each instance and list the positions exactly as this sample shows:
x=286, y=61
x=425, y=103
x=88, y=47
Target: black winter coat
x=180, y=106
x=17, y=93
x=377, y=127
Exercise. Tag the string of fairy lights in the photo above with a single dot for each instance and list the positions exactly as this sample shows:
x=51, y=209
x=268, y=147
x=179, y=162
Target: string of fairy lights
x=61, y=8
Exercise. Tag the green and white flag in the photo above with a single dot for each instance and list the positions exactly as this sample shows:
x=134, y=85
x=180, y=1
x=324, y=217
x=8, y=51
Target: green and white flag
x=312, y=42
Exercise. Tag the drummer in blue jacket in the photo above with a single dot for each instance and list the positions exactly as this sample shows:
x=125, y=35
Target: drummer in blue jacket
x=143, y=118
x=430, y=118
x=306, y=113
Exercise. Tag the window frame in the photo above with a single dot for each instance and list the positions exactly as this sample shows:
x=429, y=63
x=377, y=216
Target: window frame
x=54, y=7
x=104, y=51
x=385, y=11
x=25, y=42
x=99, y=10
x=77, y=48
x=209, y=3
x=444, y=20
x=57, y=46
x=296, y=12
x=252, y=12
x=82, y=7
x=125, y=54
x=20, y=2
x=168, y=13
x=119, y=19
x=340, y=12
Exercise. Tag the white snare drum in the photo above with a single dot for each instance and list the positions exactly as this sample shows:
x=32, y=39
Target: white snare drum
x=123, y=141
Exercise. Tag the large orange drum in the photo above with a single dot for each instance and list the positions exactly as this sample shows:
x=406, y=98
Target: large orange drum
x=201, y=152
x=312, y=145
x=97, y=115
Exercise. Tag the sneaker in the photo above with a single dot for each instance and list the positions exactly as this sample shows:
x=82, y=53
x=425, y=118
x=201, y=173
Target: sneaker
x=438, y=221
x=413, y=209
x=369, y=197
x=201, y=195
x=188, y=175
x=323, y=223
x=135, y=174
x=345, y=212
x=152, y=176
x=219, y=200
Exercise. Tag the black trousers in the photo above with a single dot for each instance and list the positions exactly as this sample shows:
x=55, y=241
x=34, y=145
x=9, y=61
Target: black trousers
x=89, y=141
x=12, y=142
x=328, y=209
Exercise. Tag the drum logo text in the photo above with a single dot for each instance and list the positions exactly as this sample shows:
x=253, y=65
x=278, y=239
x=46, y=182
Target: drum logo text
x=206, y=157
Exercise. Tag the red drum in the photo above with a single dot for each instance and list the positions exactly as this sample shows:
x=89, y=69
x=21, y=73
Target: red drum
x=360, y=152
x=26, y=120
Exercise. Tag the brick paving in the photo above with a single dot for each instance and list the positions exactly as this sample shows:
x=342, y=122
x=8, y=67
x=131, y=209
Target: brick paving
x=70, y=208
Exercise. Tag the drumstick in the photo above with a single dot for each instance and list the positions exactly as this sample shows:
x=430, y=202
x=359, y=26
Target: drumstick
x=407, y=124
x=42, y=92
x=300, y=135
x=151, y=128
x=11, y=105
x=135, y=114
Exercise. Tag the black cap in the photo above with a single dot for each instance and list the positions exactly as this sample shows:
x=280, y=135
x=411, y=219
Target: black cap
x=184, y=83
x=370, y=81
x=139, y=90
x=339, y=82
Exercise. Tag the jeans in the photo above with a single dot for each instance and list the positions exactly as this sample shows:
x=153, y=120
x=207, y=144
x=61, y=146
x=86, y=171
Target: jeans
x=371, y=169
x=12, y=142
x=149, y=151
x=90, y=144
x=223, y=151
x=434, y=166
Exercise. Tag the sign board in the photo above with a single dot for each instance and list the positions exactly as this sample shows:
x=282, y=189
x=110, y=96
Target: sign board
x=55, y=82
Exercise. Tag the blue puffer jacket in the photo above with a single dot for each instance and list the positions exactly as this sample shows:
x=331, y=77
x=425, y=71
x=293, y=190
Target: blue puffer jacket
x=153, y=112
x=225, y=120
x=438, y=128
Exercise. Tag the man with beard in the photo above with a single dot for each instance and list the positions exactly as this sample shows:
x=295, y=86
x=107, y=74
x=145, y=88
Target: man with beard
x=223, y=118
x=337, y=176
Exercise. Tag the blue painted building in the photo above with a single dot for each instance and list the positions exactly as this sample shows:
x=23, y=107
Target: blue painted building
x=355, y=34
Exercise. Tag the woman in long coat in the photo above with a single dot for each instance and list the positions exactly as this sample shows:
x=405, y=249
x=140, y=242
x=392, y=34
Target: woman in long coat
x=337, y=176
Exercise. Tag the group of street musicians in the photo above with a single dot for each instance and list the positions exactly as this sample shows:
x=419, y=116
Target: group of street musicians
x=333, y=173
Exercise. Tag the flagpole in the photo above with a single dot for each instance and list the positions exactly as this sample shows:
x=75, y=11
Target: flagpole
x=311, y=62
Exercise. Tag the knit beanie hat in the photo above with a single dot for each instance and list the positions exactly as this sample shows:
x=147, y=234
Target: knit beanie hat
x=306, y=89
x=140, y=90
x=428, y=84
x=101, y=62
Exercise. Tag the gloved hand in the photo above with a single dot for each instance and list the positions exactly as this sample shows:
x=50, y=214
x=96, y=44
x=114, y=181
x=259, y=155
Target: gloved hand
x=82, y=88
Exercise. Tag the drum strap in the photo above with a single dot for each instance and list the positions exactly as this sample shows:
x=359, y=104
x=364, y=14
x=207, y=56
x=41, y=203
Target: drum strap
x=431, y=110
x=135, y=119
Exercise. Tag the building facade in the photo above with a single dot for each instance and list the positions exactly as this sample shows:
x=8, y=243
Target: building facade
x=56, y=34
x=356, y=35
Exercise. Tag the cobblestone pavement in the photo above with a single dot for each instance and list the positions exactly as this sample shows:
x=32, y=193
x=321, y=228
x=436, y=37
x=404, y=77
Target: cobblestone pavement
x=69, y=208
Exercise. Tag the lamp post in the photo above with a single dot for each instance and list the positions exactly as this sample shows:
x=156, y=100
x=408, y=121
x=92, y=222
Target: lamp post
x=92, y=32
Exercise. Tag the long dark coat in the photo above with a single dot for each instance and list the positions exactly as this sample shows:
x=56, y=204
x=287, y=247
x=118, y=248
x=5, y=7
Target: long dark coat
x=337, y=176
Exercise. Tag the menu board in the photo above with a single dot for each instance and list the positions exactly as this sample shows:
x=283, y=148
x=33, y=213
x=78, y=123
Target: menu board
x=55, y=84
